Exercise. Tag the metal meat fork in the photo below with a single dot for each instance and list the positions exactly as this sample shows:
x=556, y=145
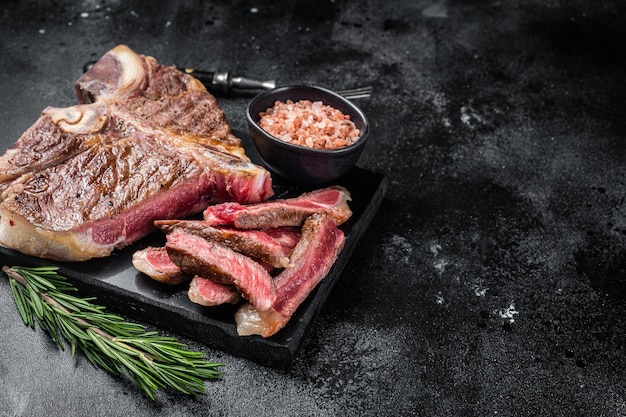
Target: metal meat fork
x=224, y=82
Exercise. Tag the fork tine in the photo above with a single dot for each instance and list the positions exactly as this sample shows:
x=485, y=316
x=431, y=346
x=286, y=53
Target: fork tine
x=364, y=89
x=354, y=93
x=355, y=96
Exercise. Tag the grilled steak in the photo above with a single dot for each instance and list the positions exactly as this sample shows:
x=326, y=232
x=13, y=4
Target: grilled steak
x=198, y=256
x=285, y=236
x=156, y=263
x=285, y=212
x=207, y=292
x=145, y=142
x=312, y=259
x=254, y=243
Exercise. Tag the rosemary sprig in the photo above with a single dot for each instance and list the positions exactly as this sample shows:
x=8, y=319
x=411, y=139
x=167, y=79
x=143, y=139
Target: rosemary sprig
x=107, y=340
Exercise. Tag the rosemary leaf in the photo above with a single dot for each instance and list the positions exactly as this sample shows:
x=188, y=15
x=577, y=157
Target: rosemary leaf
x=35, y=302
x=18, y=296
x=107, y=340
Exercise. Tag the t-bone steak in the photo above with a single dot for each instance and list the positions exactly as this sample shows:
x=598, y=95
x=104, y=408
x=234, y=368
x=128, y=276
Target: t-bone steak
x=145, y=142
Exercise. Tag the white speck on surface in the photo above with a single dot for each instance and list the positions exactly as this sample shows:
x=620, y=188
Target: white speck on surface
x=470, y=117
x=440, y=102
x=435, y=248
x=168, y=24
x=439, y=298
x=134, y=13
x=84, y=15
x=480, y=291
x=440, y=265
x=254, y=10
x=508, y=313
x=399, y=248
x=42, y=31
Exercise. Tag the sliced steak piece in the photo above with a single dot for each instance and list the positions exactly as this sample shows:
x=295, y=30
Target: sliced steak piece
x=254, y=243
x=312, y=257
x=285, y=236
x=283, y=212
x=198, y=256
x=156, y=263
x=146, y=142
x=209, y=293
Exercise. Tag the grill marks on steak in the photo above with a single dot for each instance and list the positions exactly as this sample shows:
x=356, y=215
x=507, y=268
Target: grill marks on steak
x=312, y=259
x=284, y=212
x=170, y=100
x=43, y=145
x=112, y=179
x=147, y=142
x=198, y=256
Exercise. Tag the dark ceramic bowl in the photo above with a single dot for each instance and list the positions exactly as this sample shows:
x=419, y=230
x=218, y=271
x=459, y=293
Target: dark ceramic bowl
x=301, y=164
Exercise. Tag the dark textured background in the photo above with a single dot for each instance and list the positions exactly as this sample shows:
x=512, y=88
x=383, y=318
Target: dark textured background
x=493, y=279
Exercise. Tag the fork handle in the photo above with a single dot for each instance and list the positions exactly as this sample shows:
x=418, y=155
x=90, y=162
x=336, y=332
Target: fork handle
x=224, y=82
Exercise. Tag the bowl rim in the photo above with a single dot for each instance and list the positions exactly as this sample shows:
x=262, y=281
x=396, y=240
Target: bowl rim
x=253, y=120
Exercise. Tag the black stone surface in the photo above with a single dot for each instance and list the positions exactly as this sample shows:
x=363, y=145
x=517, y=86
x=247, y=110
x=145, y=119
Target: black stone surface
x=492, y=281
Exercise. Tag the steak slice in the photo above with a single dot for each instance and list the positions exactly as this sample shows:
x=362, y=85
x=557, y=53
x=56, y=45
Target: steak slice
x=198, y=256
x=156, y=263
x=207, y=292
x=312, y=257
x=286, y=236
x=283, y=212
x=145, y=142
x=254, y=243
